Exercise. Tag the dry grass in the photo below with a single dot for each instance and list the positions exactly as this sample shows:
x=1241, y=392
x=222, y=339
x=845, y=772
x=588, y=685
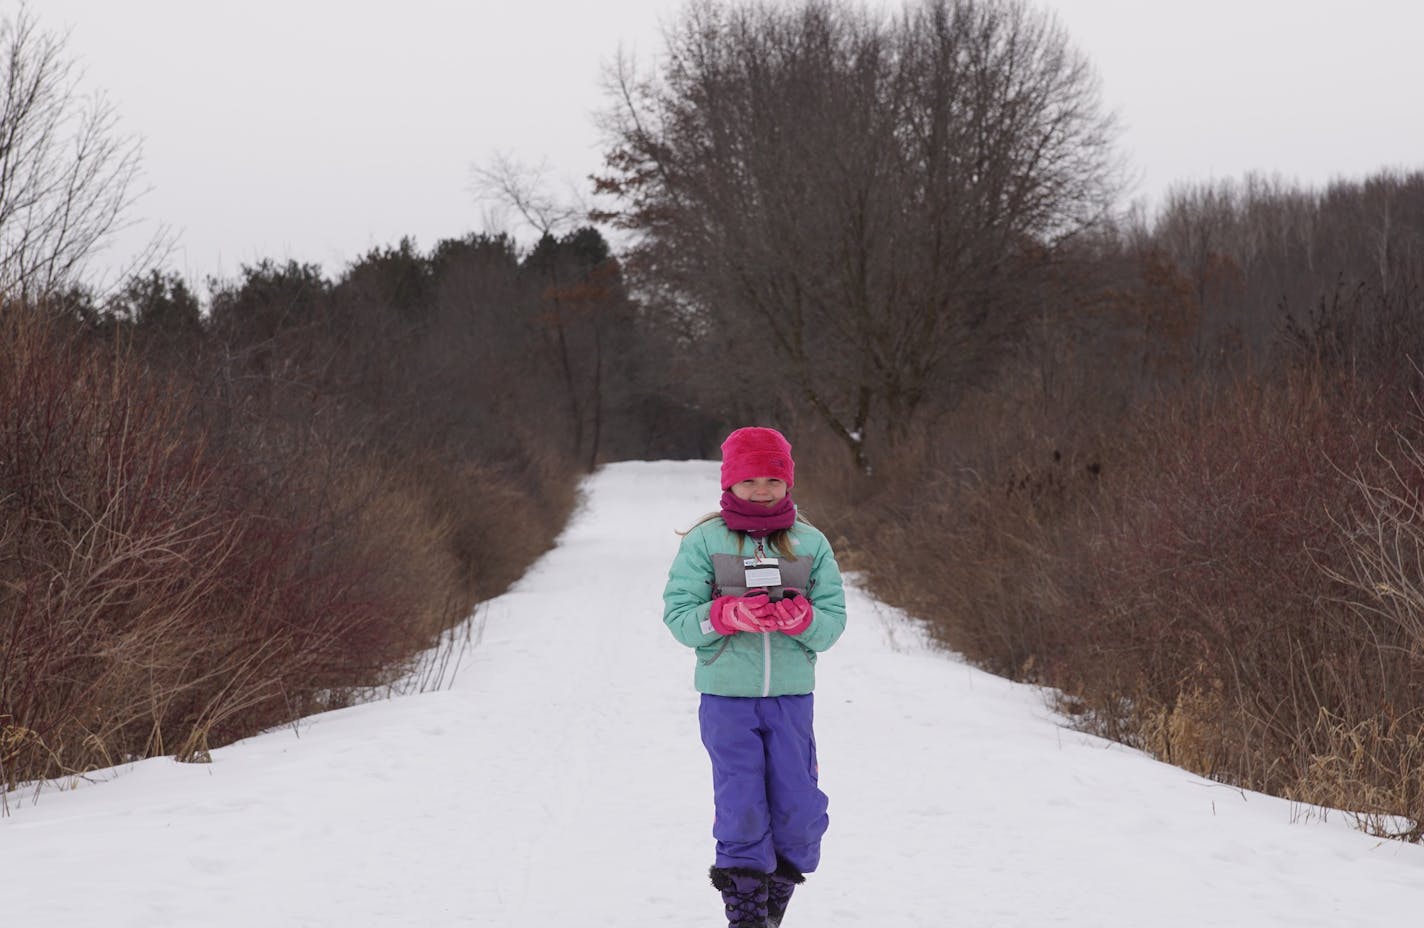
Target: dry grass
x=1373, y=769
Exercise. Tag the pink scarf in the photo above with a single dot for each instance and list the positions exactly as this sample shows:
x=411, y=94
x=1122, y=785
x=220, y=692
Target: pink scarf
x=755, y=519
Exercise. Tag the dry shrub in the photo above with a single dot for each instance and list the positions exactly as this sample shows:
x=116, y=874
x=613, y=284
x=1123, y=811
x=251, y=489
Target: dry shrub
x=1202, y=614
x=1234, y=582
x=506, y=515
x=1187, y=732
x=146, y=605
x=972, y=562
x=176, y=574
x=444, y=533
x=1373, y=769
x=1201, y=606
x=966, y=527
x=398, y=526
x=1367, y=753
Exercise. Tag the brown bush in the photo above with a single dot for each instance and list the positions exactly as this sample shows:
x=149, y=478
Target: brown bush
x=965, y=527
x=148, y=604
x=1231, y=582
x=451, y=533
x=1206, y=613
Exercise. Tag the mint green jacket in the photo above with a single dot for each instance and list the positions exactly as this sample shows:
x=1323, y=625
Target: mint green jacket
x=748, y=663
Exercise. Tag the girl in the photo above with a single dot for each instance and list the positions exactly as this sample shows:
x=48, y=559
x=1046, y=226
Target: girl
x=756, y=592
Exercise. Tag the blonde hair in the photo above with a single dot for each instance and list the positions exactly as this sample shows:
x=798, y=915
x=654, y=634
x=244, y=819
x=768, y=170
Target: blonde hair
x=778, y=541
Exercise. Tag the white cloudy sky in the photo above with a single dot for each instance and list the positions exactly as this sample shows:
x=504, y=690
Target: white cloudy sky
x=318, y=129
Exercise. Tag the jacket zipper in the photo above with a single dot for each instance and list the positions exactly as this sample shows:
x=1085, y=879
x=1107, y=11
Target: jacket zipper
x=766, y=655
x=765, y=639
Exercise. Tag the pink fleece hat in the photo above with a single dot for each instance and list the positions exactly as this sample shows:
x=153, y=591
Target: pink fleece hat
x=756, y=452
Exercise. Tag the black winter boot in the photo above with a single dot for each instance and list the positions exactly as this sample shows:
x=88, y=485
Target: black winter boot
x=743, y=894
x=778, y=891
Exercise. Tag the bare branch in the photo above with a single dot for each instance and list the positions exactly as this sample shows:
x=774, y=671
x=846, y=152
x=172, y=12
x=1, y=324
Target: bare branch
x=68, y=175
x=525, y=188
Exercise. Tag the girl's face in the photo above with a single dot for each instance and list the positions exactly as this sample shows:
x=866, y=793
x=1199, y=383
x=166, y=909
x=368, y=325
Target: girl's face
x=768, y=491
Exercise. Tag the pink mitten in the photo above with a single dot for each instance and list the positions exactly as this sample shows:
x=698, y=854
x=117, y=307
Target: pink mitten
x=750, y=613
x=792, y=614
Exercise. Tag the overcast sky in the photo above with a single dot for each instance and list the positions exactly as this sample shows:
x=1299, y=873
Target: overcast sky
x=318, y=129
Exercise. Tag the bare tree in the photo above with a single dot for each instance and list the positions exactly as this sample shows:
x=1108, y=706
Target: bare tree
x=506, y=182
x=855, y=200
x=67, y=174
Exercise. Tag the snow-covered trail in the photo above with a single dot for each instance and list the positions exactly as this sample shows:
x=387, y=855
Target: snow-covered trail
x=560, y=782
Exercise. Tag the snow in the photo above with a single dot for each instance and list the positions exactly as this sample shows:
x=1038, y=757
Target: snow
x=560, y=781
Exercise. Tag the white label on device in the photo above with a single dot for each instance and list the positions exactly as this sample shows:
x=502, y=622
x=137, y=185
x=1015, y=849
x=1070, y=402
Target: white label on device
x=763, y=572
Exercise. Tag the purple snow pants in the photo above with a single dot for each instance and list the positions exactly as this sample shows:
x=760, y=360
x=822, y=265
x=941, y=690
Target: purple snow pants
x=764, y=777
